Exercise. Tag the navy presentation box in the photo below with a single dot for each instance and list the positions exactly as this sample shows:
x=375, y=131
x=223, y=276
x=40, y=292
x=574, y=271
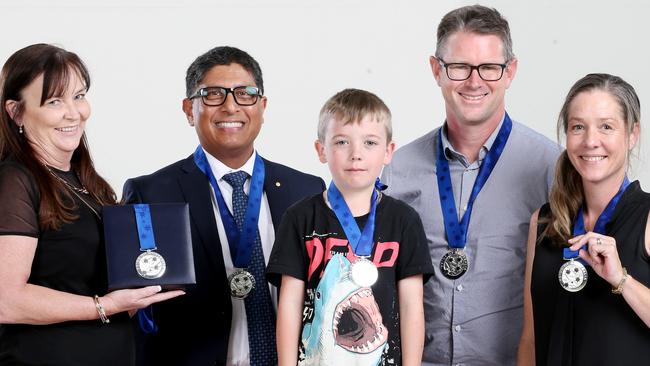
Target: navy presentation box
x=171, y=228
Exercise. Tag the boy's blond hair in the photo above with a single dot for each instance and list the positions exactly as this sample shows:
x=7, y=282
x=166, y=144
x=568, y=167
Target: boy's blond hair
x=352, y=106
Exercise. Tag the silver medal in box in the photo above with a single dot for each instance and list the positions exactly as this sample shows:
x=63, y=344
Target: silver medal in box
x=150, y=265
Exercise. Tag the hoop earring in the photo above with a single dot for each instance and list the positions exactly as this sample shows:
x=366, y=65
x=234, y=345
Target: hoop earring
x=20, y=129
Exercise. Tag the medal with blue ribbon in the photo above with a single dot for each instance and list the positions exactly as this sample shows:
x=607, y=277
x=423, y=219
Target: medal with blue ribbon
x=241, y=242
x=149, y=264
x=363, y=272
x=573, y=273
x=454, y=263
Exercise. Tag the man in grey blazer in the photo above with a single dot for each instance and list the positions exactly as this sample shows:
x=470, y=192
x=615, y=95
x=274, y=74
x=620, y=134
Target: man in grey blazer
x=475, y=181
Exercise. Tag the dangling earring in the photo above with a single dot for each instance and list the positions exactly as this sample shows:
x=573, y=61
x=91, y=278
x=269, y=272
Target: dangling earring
x=20, y=129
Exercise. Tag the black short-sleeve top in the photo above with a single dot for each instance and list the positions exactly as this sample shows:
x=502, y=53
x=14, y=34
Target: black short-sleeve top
x=71, y=259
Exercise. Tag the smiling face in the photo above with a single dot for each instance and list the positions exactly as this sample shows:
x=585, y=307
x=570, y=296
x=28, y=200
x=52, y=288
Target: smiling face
x=598, y=140
x=473, y=101
x=55, y=128
x=355, y=152
x=227, y=131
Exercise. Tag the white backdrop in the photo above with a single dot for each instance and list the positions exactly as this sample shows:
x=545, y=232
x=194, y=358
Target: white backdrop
x=138, y=52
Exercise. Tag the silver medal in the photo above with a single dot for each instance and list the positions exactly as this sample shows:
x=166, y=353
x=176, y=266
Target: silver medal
x=241, y=283
x=572, y=276
x=454, y=263
x=150, y=265
x=363, y=272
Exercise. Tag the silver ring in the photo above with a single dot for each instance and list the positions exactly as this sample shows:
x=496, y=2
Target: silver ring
x=598, y=242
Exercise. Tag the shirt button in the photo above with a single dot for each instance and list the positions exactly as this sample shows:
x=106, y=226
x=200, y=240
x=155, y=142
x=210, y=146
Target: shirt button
x=457, y=328
x=459, y=288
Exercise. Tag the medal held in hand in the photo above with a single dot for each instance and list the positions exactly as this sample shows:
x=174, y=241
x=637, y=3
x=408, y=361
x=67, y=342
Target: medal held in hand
x=363, y=271
x=455, y=263
x=241, y=283
x=573, y=274
x=150, y=264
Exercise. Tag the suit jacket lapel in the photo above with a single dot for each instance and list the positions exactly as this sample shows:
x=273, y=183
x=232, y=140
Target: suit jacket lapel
x=277, y=193
x=196, y=189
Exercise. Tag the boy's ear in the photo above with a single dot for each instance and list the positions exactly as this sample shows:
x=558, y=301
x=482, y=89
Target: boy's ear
x=320, y=150
x=390, y=149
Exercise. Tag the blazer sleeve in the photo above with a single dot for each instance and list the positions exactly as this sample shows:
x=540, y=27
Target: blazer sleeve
x=131, y=192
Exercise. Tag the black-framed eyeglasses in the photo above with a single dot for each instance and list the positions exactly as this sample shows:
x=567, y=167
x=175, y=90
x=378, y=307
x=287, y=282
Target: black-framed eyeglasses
x=216, y=95
x=460, y=71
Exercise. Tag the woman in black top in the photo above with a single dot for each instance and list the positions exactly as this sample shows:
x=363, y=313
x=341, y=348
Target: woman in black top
x=52, y=258
x=593, y=309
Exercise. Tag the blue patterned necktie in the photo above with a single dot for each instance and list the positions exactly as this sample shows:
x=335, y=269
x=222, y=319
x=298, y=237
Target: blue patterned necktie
x=259, y=308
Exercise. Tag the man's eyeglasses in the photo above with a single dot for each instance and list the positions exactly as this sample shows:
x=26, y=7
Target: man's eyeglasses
x=460, y=71
x=217, y=95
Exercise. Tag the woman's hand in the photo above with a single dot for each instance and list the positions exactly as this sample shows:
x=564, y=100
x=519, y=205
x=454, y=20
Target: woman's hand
x=131, y=300
x=601, y=255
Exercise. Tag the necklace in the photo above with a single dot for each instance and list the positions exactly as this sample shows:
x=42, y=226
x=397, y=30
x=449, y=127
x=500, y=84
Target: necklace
x=75, y=191
x=68, y=184
x=85, y=203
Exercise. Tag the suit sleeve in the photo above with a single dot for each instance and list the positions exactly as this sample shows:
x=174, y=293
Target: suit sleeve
x=131, y=193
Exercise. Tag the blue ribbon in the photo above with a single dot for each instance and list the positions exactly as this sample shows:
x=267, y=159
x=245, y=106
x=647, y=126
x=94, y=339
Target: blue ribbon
x=240, y=243
x=361, y=242
x=599, y=227
x=145, y=320
x=457, y=231
x=147, y=242
x=145, y=227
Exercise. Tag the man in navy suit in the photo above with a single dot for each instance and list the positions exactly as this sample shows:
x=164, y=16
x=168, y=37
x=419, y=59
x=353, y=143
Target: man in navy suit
x=225, y=104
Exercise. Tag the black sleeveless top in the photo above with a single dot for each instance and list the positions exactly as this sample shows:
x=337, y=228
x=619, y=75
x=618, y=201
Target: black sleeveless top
x=593, y=326
x=71, y=259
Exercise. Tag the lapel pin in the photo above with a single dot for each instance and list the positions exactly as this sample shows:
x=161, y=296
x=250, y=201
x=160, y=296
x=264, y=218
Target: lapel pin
x=277, y=184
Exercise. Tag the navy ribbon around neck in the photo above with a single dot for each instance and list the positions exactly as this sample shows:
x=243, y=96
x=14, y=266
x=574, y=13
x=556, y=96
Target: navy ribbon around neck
x=240, y=242
x=457, y=231
x=599, y=226
x=361, y=242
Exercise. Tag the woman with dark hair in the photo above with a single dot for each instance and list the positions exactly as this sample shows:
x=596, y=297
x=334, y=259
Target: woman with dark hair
x=587, y=286
x=52, y=258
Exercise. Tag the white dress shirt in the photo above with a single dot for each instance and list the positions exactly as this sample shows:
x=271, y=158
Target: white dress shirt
x=238, y=354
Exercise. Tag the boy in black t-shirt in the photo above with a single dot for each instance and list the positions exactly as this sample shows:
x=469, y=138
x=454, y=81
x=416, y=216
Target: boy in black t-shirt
x=351, y=261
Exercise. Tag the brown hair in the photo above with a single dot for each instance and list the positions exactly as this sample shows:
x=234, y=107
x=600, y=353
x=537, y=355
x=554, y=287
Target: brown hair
x=351, y=106
x=20, y=70
x=566, y=194
x=475, y=19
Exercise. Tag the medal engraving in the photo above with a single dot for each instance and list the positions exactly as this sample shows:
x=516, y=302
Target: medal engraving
x=150, y=265
x=241, y=283
x=454, y=264
x=572, y=276
x=363, y=272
